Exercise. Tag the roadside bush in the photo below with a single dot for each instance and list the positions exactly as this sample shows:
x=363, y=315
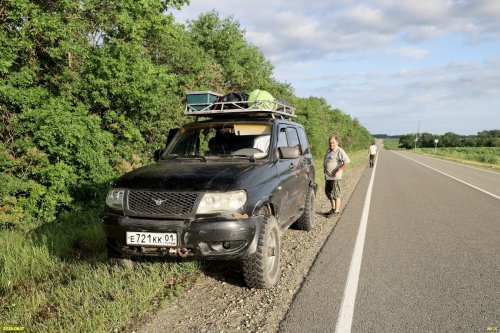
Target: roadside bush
x=320, y=121
x=89, y=91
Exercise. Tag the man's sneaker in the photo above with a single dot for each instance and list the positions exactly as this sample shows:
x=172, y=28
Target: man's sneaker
x=329, y=213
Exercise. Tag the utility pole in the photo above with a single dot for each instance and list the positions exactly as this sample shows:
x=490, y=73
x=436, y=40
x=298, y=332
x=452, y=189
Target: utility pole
x=416, y=135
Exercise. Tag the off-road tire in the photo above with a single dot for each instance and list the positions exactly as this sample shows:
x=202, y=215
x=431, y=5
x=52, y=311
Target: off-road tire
x=261, y=269
x=306, y=221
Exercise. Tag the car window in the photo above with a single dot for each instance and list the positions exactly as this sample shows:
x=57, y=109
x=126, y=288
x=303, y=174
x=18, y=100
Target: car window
x=282, y=140
x=303, y=141
x=293, y=138
x=262, y=142
x=185, y=144
x=218, y=140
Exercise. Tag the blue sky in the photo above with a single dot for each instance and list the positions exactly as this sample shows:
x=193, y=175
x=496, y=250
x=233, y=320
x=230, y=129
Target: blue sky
x=396, y=66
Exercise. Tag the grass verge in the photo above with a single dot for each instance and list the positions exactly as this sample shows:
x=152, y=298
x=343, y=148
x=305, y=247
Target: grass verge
x=357, y=158
x=482, y=157
x=391, y=143
x=55, y=278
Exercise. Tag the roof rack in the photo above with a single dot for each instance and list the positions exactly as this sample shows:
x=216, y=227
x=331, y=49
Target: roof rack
x=241, y=108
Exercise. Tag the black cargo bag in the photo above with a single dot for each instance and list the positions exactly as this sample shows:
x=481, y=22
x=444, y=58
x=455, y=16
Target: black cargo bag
x=238, y=98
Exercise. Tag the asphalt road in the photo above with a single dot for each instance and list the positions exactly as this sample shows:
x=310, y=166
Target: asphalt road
x=424, y=256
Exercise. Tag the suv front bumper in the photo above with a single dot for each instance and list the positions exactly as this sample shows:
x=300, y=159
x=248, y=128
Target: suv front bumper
x=210, y=238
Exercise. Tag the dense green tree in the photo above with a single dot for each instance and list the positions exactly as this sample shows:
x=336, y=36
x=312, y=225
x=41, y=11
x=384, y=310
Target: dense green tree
x=89, y=90
x=320, y=121
x=244, y=65
x=79, y=100
x=426, y=140
x=489, y=138
x=470, y=141
x=450, y=139
x=407, y=141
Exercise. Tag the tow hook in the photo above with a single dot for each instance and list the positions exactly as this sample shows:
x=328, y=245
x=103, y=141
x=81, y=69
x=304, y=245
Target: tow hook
x=182, y=252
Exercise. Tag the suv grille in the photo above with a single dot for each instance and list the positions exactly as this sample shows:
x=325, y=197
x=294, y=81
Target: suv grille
x=161, y=203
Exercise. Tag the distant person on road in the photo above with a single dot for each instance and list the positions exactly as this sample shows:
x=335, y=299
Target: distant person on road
x=334, y=161
x=373, y=153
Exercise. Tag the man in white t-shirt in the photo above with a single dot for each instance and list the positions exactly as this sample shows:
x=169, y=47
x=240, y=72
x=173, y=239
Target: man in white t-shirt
x=334, y=161
x=372, y=151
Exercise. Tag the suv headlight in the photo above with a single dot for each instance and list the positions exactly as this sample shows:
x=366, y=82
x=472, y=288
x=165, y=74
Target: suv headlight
x=217, y=202
x=115, y=198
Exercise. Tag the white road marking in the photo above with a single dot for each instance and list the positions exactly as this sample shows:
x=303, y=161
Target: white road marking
x=455, y=178
x=344, y=321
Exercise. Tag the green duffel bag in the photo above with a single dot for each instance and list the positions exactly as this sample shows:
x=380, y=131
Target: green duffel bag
x=261, y=99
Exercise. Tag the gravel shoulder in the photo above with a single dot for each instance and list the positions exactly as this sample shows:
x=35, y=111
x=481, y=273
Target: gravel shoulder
x=220, y=302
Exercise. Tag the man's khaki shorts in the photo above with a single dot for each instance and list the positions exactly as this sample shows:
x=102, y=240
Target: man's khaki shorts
x=332, y=189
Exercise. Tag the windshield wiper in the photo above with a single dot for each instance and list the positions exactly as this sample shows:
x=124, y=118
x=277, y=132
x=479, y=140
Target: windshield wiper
x=200, y=157
x=251, y=158
x=188, y=156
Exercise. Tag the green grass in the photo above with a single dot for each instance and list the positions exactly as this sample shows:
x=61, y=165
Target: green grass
x=391, y=143
x=56, y=278
x=358, y=158
x=486, y=157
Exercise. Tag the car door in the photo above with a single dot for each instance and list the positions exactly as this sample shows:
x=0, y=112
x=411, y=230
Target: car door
x=300, y=171
x=291, y=177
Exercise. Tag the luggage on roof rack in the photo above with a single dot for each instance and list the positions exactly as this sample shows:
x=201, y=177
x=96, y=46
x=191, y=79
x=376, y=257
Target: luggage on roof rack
x=209, y=104
x=201, y=100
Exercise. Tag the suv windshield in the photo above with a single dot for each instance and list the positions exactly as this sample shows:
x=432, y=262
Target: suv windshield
x=222, y=140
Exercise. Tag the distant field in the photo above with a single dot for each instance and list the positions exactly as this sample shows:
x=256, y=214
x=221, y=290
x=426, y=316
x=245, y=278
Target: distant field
x=488, y=157
x=357, y=158
x=391, y=143
x=483, y=155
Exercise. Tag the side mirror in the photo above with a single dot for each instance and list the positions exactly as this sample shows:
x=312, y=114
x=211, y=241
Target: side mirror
x=171, y=133
x=288, y=152
x=158, y=154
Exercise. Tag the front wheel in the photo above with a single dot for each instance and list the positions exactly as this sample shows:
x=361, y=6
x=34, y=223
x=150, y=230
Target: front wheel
x=261, y=269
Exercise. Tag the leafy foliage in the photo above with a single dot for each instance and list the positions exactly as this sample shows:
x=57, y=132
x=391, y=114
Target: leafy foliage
x=488, y=156
x=243, y=65
x=450, y=139
x=320, y=121
x=89, y=90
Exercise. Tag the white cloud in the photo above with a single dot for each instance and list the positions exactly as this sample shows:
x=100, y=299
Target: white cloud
x=384, y=101
x=409, y=52
x=423, y=33
x=375, y=59
x=364, y=16
x=283, y=29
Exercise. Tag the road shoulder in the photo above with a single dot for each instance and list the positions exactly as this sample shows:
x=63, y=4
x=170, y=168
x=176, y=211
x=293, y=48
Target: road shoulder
x=221, y=302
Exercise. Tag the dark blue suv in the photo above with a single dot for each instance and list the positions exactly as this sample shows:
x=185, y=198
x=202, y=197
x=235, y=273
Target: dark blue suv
x=223, y=188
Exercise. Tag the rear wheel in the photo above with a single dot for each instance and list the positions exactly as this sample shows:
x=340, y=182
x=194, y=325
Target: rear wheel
x=306, y=221
x=261, y=269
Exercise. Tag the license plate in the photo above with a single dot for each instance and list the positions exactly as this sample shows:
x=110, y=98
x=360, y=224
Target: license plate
x=151, y=238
